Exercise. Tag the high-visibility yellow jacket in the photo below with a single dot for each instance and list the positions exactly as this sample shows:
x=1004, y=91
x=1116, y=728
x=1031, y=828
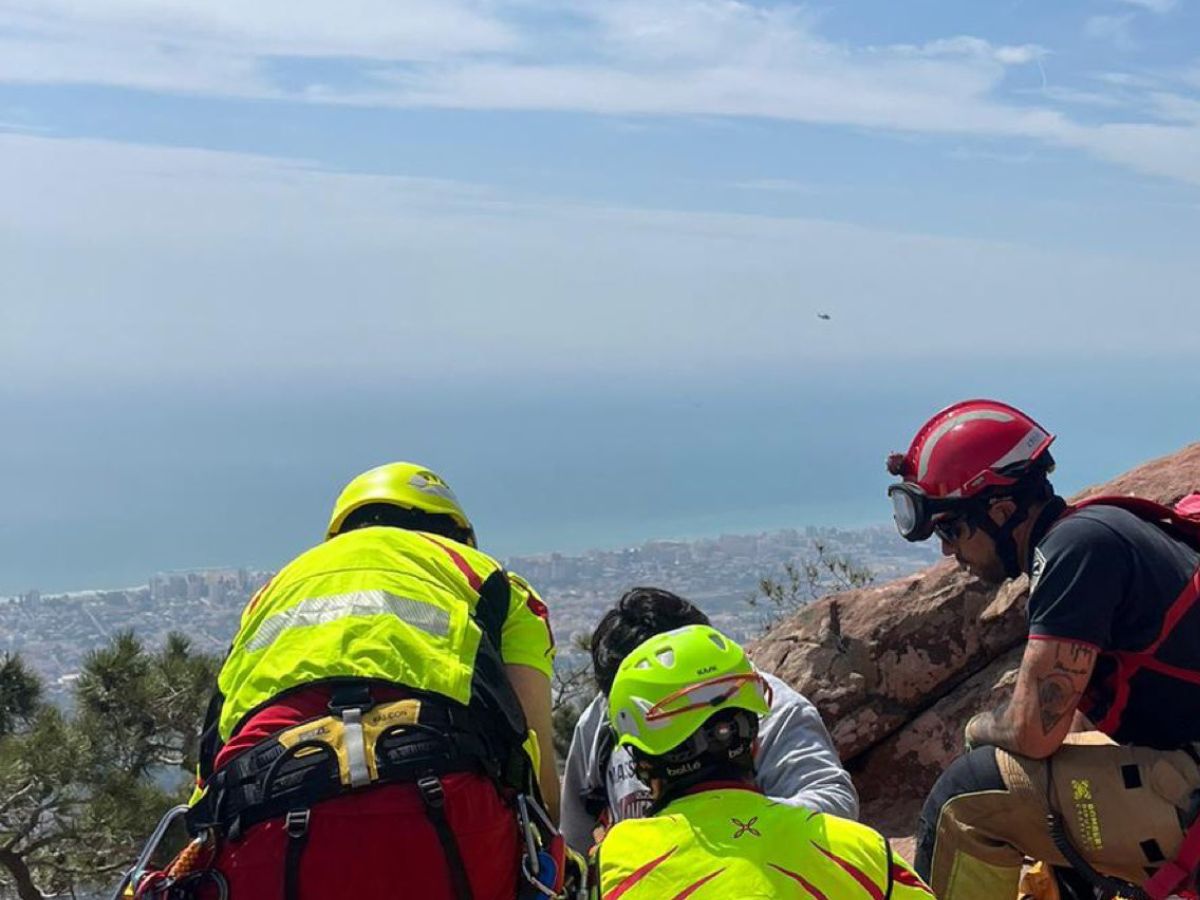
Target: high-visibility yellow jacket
x=376, y=603
x=733, y=842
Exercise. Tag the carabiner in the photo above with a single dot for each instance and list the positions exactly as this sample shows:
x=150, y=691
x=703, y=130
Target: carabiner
x=134, y=874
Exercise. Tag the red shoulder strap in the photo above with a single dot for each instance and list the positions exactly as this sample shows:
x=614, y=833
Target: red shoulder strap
x=1189, y=506
x=1181, y=521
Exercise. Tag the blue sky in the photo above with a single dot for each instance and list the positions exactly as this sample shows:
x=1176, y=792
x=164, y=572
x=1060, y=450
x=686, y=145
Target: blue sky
x=220, y=200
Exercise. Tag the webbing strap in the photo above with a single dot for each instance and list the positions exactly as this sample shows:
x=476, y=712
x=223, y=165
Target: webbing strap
x=492, y=608
x=296, y=825
x=356, y=748
x=434, y=798
x=1128, y=663
x=1175, y=873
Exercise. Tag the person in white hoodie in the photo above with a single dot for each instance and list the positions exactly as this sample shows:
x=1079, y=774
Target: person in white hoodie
x=795, y=759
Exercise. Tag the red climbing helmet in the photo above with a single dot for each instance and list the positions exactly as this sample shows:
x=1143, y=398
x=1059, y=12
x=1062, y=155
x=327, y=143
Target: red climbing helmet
x=960, y=453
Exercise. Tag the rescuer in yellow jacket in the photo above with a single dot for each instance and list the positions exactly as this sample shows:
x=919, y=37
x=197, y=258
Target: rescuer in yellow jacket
x=371, y=728
x=687, y=704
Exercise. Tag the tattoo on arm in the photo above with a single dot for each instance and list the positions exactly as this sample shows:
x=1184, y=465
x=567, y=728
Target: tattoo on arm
x=1059, y=689
x=1055, y=700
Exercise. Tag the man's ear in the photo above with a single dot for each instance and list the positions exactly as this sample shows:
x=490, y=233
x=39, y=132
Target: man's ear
x=1002, y=510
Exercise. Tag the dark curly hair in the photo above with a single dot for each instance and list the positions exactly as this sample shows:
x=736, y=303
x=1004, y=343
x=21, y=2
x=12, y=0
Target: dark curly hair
x=640, y=614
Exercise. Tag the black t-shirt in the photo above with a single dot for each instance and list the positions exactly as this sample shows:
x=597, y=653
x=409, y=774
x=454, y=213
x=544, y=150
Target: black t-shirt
x=1104, y=577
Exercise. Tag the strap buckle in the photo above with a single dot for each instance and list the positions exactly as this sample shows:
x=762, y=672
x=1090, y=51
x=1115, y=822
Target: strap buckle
x=295, y=823
x=355, y=695
x=432, y=791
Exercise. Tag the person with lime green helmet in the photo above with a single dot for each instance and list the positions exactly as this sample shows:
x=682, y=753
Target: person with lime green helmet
x=401, y=490
x=686, y=704
x=384, y=712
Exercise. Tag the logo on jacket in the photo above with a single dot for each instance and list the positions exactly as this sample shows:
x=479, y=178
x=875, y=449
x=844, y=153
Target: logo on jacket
x=1035, y=571
x=745, y=828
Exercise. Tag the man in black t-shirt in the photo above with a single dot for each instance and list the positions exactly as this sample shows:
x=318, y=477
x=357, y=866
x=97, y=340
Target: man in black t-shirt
x=1102, y=728
x=1104, y=578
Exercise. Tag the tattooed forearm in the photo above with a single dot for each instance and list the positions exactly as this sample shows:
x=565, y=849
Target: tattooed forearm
x=1053, y=676
x=1059, y=689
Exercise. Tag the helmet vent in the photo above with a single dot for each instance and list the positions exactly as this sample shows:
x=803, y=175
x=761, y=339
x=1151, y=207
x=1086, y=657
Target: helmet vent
x=642, y=664
x=666, y=656
x=718, y=640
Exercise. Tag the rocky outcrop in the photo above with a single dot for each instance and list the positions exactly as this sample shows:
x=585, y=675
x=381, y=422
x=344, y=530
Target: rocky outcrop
x=897, y=669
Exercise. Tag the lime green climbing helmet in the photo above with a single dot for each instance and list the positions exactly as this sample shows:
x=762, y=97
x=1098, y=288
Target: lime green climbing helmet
x=404, y=484
x=671, y=684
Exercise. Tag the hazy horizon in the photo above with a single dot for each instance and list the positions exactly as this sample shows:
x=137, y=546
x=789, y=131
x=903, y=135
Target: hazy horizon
x=157, y=479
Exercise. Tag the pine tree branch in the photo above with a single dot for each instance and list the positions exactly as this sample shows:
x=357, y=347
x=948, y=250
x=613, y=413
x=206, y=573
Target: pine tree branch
x=11, y=800
x=32, y=823
x=21, y=875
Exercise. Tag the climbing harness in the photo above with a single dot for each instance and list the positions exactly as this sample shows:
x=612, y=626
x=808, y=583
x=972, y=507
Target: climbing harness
x=415, y=741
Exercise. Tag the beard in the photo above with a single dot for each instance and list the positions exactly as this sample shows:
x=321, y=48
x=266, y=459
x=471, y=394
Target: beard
x=990, y=572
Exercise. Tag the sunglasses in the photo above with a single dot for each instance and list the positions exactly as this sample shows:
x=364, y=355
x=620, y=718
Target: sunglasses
x=950, y=528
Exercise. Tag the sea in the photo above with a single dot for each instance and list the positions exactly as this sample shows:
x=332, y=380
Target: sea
x=101, y=485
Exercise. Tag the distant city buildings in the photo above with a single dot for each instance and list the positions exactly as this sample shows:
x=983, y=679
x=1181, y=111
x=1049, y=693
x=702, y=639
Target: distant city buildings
x=54, y=632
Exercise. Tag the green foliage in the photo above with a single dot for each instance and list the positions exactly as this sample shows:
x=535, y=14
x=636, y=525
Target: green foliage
x=20, y=692
x=573, y=688
x=79, y=791
x=806, y=580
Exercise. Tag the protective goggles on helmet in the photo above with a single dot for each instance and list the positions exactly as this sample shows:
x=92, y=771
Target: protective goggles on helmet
x=728, y=730
x=707, y=694
x=918, y=515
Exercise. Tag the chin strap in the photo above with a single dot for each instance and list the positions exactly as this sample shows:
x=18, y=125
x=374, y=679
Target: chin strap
x=1002, y=537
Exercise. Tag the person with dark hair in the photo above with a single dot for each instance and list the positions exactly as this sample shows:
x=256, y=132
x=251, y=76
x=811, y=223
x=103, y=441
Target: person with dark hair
x=796, y=759
x=686, y=705
x=1092, y=764
x=640, y=614
x=371, y=733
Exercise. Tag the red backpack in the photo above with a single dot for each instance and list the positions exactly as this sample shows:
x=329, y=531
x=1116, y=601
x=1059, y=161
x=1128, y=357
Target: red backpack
x=1182, y=521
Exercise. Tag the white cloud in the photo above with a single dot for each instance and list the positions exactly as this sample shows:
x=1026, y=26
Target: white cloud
x=717, y=58
x=379, y=29
x=967, y=46
x=141, y=262
x=1078, y=97
x=971, y=153
x=1111, y=29
x=1160, y=7
x=1172, y=151
x=714, y=57
x=777, y=186
x=1176, y=108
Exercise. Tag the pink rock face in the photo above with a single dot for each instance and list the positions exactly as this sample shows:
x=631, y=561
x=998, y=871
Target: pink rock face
x=897, y=669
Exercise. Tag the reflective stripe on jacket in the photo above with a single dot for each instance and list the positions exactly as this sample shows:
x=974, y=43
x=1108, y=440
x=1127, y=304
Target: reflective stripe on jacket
x=376, y=603
x=735, y=842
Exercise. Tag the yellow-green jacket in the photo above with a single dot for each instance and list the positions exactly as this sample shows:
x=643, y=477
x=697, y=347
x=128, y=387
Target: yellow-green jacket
x=376, y=603
x=733, y=842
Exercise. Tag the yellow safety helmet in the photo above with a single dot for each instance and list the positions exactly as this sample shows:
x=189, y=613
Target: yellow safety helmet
x=403, y=484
